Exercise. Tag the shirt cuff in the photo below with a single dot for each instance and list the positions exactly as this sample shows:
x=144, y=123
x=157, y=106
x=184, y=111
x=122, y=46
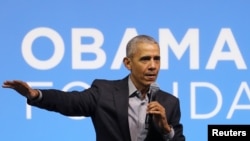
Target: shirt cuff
x=38, y=98
x=170, y=135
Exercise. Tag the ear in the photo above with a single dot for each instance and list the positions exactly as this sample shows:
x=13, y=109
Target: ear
x=127, y=63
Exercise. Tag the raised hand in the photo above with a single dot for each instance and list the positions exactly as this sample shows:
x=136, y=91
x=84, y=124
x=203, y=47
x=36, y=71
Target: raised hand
x=22, y=88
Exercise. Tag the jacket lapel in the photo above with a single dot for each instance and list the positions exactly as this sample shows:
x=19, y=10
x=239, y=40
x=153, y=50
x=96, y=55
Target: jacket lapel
x=121, y=103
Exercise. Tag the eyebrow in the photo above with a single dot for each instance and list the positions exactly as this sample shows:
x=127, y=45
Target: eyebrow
x=149, y=57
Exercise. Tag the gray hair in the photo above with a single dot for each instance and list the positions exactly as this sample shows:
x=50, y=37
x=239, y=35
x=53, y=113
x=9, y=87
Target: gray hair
x=132, y=44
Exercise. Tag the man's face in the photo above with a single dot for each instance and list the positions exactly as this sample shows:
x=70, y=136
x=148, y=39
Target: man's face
x=145, y=65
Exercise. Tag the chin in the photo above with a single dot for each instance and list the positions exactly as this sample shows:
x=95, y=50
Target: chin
x=148, y=83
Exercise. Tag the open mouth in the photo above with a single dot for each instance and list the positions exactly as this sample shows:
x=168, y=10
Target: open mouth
x=151, y=76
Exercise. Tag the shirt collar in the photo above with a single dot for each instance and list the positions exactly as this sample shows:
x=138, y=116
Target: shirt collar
x=131, y=87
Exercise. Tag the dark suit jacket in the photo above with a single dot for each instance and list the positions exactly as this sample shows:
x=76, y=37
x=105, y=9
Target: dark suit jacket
x=106, y=102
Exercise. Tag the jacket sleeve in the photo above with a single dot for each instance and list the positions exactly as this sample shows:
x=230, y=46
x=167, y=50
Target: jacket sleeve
x=73, y=103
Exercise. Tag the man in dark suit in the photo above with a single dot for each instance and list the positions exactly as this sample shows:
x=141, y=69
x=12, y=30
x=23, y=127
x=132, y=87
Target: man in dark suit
x=129, y=109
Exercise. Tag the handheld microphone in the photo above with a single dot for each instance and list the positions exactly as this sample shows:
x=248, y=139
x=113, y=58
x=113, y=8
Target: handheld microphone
x=153, y=89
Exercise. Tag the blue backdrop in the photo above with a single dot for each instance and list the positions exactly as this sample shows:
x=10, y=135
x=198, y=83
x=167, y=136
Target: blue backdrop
x=205, y=48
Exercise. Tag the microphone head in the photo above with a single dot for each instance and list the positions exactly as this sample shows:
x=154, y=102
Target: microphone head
x=154, y=87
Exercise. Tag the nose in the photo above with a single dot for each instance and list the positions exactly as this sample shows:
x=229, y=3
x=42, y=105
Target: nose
x=152, y=64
